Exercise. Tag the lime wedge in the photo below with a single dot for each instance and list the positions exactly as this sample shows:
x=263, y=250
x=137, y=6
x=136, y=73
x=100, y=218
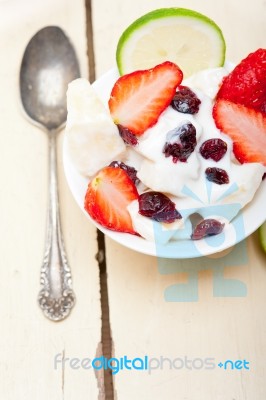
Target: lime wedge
x=262, y=236
x=185, y=37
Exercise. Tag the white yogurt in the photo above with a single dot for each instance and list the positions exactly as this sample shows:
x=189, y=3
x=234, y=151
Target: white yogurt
x=185, y=182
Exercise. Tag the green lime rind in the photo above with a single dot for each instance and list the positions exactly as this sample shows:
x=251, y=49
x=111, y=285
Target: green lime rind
x=165, y=13
x=262, y=236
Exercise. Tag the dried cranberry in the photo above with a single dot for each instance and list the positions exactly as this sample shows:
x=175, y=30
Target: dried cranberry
x=207, y=227
x=127, y=135
x=131, y=171
x=180, y=143
x=217, y=175
x=214, y=149
x=264, y=176
x=186, y=101
x=158, y=206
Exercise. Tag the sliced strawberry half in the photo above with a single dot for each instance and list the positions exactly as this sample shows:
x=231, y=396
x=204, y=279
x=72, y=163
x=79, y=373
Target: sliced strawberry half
x=138, y=99
x=246, y=127
x=246, y=84
x=107, y=198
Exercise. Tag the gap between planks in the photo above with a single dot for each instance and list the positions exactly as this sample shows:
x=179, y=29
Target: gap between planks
x=106, y=338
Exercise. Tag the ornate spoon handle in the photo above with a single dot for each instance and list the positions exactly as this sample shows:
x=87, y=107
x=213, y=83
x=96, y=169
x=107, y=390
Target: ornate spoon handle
x=56, y=297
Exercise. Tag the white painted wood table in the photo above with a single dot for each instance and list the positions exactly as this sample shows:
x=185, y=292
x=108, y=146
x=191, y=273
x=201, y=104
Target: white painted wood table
x=202, y=322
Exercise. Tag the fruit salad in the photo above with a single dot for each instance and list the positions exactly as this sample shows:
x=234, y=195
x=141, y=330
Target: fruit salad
x=164, y=153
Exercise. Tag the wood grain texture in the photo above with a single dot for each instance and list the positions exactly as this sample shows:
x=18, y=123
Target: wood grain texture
x=29, y=342
x=143, y=320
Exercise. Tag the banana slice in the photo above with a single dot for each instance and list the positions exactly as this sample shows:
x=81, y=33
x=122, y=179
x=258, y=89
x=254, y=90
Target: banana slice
x=93, y=139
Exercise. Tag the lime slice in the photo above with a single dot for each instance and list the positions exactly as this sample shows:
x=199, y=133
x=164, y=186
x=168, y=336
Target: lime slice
x=185, y=37
x=262, y=236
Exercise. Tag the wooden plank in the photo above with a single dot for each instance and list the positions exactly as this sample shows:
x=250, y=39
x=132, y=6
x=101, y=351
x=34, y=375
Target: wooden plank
x=30, y=342
x=204, y=322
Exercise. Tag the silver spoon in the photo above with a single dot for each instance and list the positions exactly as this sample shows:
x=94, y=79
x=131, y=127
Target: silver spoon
x=48, y=65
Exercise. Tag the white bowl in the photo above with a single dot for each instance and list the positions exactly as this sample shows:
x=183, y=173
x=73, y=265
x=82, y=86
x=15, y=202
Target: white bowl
x=244, y=224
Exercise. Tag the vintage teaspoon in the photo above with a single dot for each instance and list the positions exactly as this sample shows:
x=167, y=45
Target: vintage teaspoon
x=48, y=65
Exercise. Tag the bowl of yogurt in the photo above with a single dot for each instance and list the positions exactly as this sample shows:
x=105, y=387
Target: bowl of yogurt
x=236, y=201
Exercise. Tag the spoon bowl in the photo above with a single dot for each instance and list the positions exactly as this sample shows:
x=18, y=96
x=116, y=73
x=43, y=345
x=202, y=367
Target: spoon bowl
x=48, y=65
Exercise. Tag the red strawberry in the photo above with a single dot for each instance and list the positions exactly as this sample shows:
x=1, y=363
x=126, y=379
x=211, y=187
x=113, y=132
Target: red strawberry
x=246, y=127
x=138, y=99
x=107, y=198
x=246, y=84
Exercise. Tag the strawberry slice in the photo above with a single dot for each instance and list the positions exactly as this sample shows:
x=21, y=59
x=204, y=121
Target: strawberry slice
x=246, y=84
x=246, y=127
x=138, y=99
x=107, y=198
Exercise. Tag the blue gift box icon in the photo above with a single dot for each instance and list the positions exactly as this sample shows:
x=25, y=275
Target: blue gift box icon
x=187, y=255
